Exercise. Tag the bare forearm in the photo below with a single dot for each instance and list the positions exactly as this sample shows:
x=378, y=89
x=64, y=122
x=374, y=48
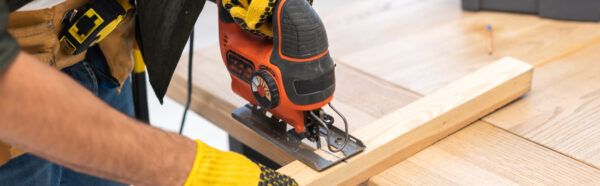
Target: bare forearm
x=46, y=113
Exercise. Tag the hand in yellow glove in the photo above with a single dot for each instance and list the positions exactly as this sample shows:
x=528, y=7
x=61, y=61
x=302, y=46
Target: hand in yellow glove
x=215, y=167
x=253, y=16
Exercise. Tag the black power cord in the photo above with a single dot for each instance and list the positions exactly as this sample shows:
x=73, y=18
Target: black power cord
x=189, y=85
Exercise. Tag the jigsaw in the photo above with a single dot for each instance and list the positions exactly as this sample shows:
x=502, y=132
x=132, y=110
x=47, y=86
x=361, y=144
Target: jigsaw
x=287, y=81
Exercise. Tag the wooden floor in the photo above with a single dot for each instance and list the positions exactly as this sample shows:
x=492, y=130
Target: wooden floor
x=390, y=53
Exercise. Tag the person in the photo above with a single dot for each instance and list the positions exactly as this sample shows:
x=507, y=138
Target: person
x=76, y=124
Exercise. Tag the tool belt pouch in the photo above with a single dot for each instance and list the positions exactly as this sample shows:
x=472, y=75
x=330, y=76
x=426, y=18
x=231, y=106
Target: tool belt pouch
x=86, y=27
x=38, y=33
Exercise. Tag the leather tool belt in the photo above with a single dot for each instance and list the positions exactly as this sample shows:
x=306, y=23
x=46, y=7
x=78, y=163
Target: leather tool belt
x=38, y=31
x=97, y=20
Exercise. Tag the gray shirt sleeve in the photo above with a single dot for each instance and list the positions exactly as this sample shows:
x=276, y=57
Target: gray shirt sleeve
x=8, y=45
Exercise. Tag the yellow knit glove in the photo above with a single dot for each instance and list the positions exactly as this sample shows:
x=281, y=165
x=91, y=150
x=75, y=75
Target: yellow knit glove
x=253, y=16
x=215, y=167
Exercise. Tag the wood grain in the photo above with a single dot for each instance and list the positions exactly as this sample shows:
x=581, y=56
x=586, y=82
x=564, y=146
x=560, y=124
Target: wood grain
x=363, y=24
x=414, y=127
x=425, y=44
x=563, y=110
x=482, y=154
x=360, y=97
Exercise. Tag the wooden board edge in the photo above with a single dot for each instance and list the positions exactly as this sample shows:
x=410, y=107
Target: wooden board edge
x=408, y=130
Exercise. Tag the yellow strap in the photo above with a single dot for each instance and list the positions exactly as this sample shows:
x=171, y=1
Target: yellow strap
x=109, y=28
x=112, y=25
x=138, y=62
x=125, y=4
x=215, y=167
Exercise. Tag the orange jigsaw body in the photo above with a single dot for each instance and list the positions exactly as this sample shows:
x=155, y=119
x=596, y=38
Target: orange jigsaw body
x=292, y=76
x=244, y=53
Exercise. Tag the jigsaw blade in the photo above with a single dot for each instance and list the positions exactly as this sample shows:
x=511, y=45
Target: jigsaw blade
x=293, y=143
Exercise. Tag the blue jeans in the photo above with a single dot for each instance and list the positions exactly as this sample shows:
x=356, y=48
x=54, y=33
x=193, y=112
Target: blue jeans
x=93, y=74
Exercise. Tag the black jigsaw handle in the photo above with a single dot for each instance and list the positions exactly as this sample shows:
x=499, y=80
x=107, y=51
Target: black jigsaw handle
x=300, y=50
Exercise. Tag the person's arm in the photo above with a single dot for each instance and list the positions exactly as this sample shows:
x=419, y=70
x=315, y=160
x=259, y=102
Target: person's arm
x=46, y=113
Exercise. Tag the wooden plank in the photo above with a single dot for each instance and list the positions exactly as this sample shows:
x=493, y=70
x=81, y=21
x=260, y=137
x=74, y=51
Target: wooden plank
x=361, y=97
x=416, y=126
x=482, y=154
x=425, y=44
x=563, y=110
